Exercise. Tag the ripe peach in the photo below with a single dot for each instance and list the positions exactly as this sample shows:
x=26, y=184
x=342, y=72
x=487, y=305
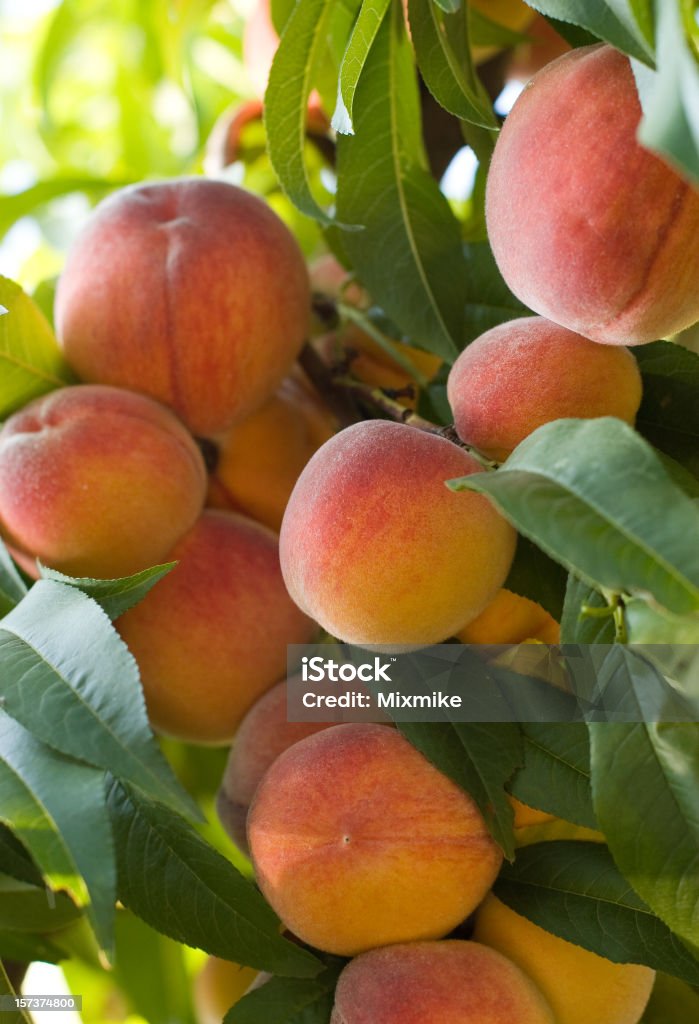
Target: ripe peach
x=329, y=277
x=264, y=734
x=96, y=481
x=527, y=372
x=192, y=291
x=218, y=986
x=378, y=549
x=451, y=982
x=580, y=986
x=211, y=637
x=587, y=227
x=260, y=459
x=510, y=619
x=358, y=841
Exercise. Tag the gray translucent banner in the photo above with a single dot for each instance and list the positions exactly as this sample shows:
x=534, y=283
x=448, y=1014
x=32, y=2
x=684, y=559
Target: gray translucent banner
x=467, y=683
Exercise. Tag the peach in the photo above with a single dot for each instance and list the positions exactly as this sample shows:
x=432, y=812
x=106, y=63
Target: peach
x=264, y=734
x=527, y=372
x=260, y=459
x=358, y=841
x=211, y=637
x=589, y=228
x=510, y=619
x=96, y=481
x=192, y=291
x=376, y=547
x=580, y=986
x=218, y=986
x=329, y=277
x=452, y=982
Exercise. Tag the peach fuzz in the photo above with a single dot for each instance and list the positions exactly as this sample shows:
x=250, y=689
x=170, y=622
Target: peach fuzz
x=211, y=637
x=510, y=619
x=96, y=481
x=376, y=547
x=192, y=291
x=259, y=460
x=587, y=227
x=529, y=371
x=451, y=982
x=580, y=986
x=358, y=841
x=264, y=734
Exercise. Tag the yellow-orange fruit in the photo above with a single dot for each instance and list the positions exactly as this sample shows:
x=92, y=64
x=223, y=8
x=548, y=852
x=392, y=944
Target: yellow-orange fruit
x=587, y=227
x=211, y=637
x=377, y=549
x=96, y=481
x=259, y=459
x=452, y=982
x=529, y=371
x=580, y=986
x=218, y=986
x=329, y=277
x=358, y=841
x=526, y=816
x=192, y=291
x=264, y=734
x=510, y=619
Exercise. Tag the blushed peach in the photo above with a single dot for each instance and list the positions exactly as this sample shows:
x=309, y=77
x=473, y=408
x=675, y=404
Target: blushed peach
x=589, y=228
x=452, y=982
x=96, y=481
x=358, y=841
x=211, y=636
x=378, y=550
x=190, y=290
x=527, y=372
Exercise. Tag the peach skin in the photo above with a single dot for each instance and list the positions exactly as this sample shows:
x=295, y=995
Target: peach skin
x=378, y=550
x=211, y=637
x=191, y=290
x=358, y=841
x=580, y=986
x=96, y=481
x=529, y=371
x=451, y=982
x=587, y=227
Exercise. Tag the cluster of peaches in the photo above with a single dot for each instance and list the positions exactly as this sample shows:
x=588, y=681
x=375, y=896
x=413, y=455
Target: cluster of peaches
x=195, y=438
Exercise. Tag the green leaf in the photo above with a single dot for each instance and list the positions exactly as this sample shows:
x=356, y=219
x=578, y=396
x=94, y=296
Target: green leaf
x=289, y=1000
x=24, y=948
x=647, y=803
x=574, y=890
x=485, y=32
x=286, y=101
x=11, y=1017
x=649, y=625
x=481, y=758
x=12, y=588
x=25, y=908
x=15, y=861
x=489, y=301
x=71, y=796
x=596, y=497
x=615, y=21
x=580, y=623
x=556, y=773
x=449, y=6
x=113, y=596
x=30, y=360
x=441, y=42
x=671, y=1002
x=409, y=252
x=216, y=908
x=534, y=575
x=669, y=96
x=669, y=413
x=22, y=204
x=371, y=15
x=68, y=678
